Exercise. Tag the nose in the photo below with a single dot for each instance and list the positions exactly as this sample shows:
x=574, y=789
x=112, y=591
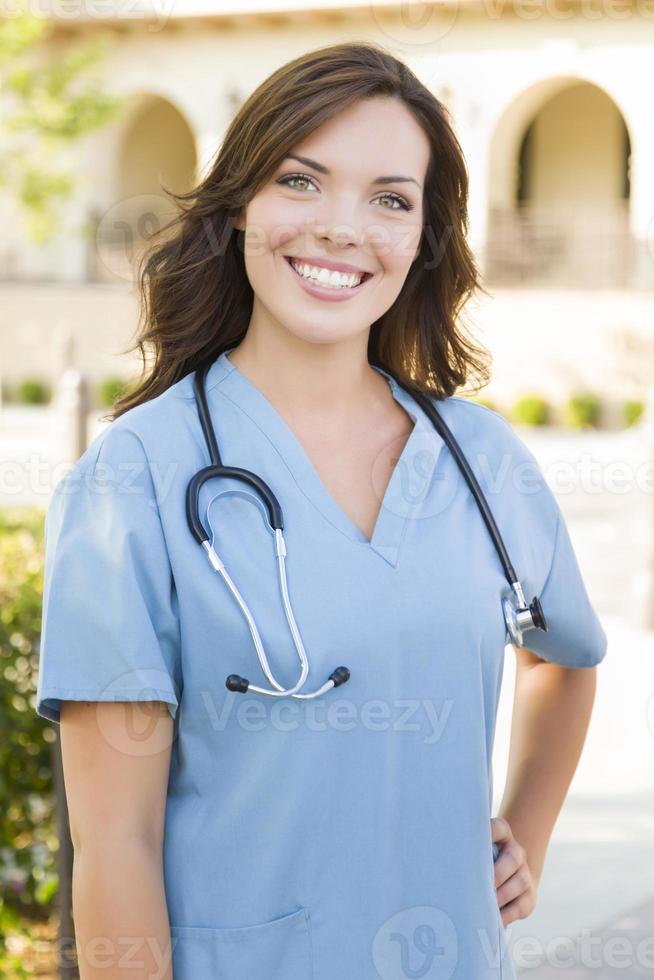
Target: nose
x=339, y=232
x=339, y=218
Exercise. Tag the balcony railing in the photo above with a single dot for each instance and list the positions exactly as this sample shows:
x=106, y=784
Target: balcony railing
x=536, y=248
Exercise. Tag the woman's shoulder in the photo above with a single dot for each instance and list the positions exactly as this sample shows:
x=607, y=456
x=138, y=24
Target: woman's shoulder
x=139, y=444
x=506, y=468
x=150, y=425
x=481, y=427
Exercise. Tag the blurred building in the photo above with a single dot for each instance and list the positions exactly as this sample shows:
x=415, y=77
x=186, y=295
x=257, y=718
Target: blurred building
x=551, y=103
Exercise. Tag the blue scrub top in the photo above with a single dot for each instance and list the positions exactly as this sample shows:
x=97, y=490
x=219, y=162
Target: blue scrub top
x=343, y=836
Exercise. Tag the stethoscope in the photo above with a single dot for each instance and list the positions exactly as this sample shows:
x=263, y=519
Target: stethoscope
x=519, y=617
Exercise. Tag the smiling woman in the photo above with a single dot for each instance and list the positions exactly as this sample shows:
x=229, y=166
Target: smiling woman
x=345, y=138
x=313, y=316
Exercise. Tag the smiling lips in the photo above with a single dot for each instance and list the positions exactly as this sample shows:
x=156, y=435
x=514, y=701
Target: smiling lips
x=345, y=278
x=329, y=265
x=342, y=286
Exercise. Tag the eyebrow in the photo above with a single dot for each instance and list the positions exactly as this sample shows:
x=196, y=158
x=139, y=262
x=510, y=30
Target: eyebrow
x=323, y=170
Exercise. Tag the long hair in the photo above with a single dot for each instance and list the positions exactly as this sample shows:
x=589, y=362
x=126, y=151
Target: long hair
x=194, y=295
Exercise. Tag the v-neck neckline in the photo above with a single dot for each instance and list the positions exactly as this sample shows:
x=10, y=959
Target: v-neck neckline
x=405, y=491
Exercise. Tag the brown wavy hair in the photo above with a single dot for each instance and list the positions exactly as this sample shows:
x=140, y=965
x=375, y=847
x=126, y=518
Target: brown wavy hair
x=194, y=295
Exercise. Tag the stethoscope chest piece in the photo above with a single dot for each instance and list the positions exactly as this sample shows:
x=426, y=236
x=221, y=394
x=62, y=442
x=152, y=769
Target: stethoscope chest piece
x=520, y=617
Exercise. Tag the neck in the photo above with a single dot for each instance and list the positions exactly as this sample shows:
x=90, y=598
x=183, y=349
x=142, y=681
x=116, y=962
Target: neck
x=309, y=378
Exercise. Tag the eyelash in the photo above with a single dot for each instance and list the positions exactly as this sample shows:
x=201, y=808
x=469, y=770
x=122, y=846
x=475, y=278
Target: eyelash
x=405, y=205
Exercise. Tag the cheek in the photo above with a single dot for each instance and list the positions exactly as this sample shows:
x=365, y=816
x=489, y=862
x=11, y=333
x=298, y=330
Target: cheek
x=396, y=248
x=271, y=223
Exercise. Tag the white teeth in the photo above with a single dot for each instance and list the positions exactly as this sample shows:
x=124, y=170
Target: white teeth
x=327, y=277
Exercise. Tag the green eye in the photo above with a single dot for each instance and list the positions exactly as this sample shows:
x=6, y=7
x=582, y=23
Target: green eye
x=403, y=203
x=285, y=180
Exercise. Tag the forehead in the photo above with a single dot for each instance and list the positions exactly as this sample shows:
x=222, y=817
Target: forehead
x=368, y=134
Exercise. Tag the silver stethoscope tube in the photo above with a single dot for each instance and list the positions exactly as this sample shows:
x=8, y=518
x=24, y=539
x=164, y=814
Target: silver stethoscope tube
x=518, y=616
x=280, y=690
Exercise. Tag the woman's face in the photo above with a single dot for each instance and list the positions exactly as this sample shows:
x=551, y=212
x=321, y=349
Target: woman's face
x=338, y=205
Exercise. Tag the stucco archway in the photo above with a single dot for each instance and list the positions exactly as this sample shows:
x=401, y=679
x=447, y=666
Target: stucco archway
x=559, y=189
x=153, y=150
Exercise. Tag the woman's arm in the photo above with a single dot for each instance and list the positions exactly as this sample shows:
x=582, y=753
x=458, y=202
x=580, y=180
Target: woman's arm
x=551, y=713
x=116, y=759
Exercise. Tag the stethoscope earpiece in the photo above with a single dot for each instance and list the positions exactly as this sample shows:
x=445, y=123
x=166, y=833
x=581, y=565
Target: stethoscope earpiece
x=236, y=683
x=241, y=685
x=340, y=676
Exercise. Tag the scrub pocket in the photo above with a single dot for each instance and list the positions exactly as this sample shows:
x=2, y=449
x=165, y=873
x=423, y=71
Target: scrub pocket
x=277, y=950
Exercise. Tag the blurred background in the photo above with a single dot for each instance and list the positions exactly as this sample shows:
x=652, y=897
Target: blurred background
x=102, y=103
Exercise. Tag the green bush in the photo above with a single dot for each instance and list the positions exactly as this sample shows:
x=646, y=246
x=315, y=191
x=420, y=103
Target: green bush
x=582, y=411
x=32, y=391
x=28, y=833
x=12, y=962
x=110, y=390
x=633, y=410
x=531, y=410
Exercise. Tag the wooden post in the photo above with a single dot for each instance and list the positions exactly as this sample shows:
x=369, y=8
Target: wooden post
x=73, y=409
x=71, y=404
x=67, y=959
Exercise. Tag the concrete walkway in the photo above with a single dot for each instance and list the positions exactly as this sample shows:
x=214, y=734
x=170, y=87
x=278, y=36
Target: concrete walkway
x=595, y=911
x=598, y=878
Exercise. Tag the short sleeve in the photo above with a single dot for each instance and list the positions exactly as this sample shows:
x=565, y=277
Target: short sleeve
x=575, y=637
x=110, y=624
x=541, y=548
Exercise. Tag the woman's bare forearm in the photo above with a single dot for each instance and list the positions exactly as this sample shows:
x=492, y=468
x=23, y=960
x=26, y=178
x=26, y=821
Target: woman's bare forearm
x=552, y=710
x=122, y=930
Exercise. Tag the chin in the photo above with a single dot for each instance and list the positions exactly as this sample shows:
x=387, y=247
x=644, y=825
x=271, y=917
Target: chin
x=314, y=333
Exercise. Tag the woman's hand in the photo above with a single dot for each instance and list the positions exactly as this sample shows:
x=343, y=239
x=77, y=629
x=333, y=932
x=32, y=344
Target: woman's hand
x=515, y=886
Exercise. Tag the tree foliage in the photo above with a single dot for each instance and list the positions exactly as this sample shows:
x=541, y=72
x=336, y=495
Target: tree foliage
x=28, y=833
x=51, y=95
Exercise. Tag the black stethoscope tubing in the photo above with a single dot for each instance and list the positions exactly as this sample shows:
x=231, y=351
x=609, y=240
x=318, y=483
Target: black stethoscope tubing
x=519, y=617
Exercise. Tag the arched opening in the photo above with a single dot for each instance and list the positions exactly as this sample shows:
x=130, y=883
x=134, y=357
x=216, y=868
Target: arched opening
x=158, y=147
x=155, y=150
x=559, y=190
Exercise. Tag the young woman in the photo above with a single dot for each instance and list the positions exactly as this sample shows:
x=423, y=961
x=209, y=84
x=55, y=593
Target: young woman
x=307, y=834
